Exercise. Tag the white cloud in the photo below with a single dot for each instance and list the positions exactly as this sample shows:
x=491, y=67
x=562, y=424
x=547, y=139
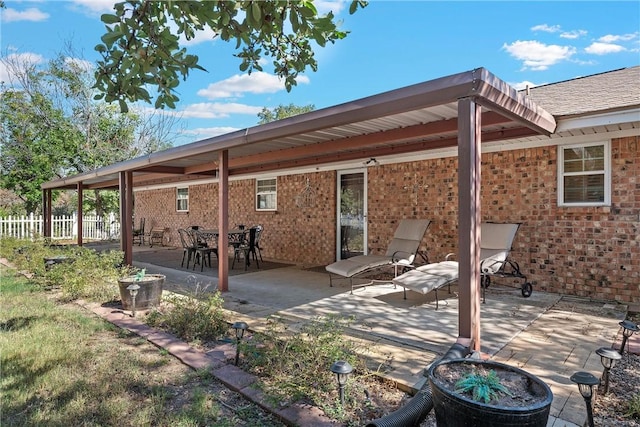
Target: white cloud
x=18, y=62
x=523, y=84
x=538, y=56
x=256, y=82
x=93, y=7
x=597, y=48
x=31, y=14
x=217, y=110
x=546, y=28
x=210, y=132
x=611, y=38
x=324, y=6
x=575, y=34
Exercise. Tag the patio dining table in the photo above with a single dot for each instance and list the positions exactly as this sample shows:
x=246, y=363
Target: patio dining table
x=236, y=236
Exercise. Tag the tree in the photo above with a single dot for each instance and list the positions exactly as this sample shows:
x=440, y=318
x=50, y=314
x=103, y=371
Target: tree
x=282, y=111
x=51, y=127
x=140, y=50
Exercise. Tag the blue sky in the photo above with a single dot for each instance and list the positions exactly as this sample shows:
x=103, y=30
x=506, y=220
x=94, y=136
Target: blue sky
x=392, y=44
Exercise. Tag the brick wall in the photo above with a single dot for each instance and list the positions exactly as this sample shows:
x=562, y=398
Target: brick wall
x=593, y=252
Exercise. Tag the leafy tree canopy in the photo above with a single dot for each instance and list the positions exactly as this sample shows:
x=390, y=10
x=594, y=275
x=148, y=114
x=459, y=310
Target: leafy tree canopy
x=140, y=48
x=50, y=127
x=282, y=111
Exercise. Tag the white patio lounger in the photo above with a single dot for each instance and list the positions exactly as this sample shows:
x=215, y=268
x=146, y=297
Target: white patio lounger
x=401, y=253
x=495, y=245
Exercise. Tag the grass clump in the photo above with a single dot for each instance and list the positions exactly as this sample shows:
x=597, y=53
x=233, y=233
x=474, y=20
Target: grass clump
x=633, y=409
x=483, y=387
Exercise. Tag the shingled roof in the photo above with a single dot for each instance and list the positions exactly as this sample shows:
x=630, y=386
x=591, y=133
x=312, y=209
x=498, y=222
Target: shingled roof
x=609, y=91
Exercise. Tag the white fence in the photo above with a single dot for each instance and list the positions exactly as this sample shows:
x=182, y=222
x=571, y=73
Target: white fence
x=62, y=227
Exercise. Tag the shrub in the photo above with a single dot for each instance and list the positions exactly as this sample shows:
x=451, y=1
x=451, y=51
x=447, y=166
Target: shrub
x=196, y=317
x=88, y=274
x=295, y=365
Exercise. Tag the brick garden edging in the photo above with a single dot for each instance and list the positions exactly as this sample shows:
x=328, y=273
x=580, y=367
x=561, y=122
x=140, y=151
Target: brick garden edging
x=217, y=360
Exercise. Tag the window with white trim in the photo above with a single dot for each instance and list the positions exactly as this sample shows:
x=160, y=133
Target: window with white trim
x=182, y=199
x=266, y=194
x=584, y=174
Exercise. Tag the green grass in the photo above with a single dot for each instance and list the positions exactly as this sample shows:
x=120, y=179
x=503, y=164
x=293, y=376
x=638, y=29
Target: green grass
x=62, y=366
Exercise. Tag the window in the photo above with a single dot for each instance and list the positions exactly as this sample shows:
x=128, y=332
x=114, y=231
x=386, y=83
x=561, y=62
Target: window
x=584, y=175
x=182, y=199
x=266, y=194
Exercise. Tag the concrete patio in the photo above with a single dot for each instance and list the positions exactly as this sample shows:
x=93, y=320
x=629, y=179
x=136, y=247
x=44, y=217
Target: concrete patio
x=546, y=334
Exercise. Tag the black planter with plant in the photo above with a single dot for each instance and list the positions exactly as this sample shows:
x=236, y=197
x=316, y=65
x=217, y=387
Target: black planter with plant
x=481, y=393
x=147, y=296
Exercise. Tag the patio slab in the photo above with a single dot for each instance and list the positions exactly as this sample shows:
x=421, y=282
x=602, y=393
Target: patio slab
x=546, y=334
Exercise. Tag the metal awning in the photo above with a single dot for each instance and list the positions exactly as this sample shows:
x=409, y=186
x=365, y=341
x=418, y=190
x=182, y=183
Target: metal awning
x=407, y=120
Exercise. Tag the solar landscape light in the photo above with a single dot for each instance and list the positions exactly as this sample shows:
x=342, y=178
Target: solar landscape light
x=133, y=290
x=585, y=382
x=239, y=327
x=608, y=358
x=628, y=329
x=342, y=369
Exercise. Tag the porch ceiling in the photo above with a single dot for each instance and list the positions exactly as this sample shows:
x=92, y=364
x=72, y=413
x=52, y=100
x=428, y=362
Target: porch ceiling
x=407, y=120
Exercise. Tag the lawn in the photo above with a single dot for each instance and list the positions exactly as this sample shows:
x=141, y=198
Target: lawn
x=62, y=366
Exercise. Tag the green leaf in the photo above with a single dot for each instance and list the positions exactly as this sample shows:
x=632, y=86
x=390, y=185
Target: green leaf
x=109, y=19
x=256, y=12
x=111, y=37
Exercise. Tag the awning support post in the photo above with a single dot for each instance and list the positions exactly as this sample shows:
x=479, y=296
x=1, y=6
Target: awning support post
x=469, y=217
x=126, y=216
x=79, y=237
x=223, y=220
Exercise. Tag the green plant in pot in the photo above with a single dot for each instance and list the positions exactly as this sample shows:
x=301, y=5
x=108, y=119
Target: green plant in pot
x=473, y=392
x=149, y=293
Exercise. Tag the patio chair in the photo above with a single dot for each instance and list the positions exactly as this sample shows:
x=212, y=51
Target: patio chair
x=201, y=248
x=400, y=254
x=138, y=233
x=156, y=236
x=247, y=248
x=259, y=230
x=495, y=246
x=188, y=248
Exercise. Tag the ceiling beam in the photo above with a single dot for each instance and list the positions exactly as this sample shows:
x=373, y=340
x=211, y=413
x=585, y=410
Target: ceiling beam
x=322, y=157
x=398, y=135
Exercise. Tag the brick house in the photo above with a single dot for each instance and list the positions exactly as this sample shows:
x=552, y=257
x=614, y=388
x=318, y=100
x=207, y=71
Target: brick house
x=576, y=191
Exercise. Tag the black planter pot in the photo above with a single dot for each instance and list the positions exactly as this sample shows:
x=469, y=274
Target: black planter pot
x=149, y=295
x=456, y=410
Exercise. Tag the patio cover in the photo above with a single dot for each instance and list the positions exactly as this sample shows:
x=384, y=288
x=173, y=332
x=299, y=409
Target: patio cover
x=462, y=109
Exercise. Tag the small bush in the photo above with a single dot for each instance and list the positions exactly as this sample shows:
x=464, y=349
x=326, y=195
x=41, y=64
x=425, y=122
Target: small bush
x=87, y=274
x=295, y=366
x=197, y=317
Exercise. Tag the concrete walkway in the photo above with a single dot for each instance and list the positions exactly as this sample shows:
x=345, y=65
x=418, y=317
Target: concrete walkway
x=545, y=334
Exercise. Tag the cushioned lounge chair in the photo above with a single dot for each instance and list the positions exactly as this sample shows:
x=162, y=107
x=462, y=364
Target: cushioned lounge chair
x=400, y=254
x=495, y=246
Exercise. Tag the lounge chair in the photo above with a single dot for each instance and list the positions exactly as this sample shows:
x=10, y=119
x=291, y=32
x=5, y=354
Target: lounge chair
x=495, y=245
x=400, y=254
